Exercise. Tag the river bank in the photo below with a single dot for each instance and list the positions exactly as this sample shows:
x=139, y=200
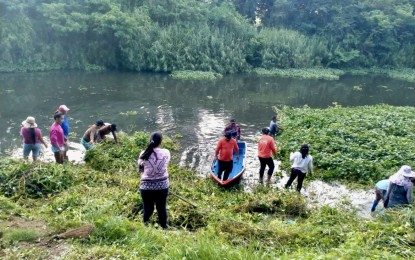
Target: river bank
x=267, y=223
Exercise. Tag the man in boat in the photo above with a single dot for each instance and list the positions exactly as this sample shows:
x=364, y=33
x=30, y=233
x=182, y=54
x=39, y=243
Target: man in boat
x=274, y=128
x=224, y=154
x=234, y=129
x=266, y=148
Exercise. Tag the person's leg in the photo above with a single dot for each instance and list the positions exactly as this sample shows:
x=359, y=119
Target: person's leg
x=221, y=168
x=262, y=169
x=300, y=180
x=36, y=151
x=147, y=197
x=161, y=202
x=293, y=175
x=271, y=168
x=26, y=150
x=228, y=170
x=64, y=153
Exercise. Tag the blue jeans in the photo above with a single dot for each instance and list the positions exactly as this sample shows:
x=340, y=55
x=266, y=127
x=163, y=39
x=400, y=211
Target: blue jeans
x=158, y=197
x=34, y=148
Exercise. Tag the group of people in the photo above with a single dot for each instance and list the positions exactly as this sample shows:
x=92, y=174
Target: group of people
x=395, y=191
x=59, y=134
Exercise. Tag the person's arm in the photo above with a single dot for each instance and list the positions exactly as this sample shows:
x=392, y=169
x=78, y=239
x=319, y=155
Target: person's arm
x=386, y=201
x=239, y=132
x=273, y=148
x=92, y=134
x=235, y=146
x=409, y=194
x=41, y=139
x=218, y=147
x=115, y=137
x=54, y=138
x=292, y=156
x=310, y=165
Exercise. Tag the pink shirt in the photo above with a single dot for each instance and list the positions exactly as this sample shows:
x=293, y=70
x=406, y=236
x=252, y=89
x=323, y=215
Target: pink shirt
x=155, y=168
x=27, y=137
x=56, y=135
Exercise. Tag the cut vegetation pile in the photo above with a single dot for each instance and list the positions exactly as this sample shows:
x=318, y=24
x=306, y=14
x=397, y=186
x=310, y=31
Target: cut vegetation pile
x=264, y=224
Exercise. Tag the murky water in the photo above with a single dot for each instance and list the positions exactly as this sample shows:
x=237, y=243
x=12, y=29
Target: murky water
x=198, y=110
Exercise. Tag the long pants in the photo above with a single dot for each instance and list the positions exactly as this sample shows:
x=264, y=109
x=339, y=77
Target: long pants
x=226, y=166
x=380, y=195
x=158, y=197
x=294, y=173
x=264, y=162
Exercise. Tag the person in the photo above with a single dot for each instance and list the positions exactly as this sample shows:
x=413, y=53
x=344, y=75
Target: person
x=381, y=189
x=400, y=188
x=302, y=163
x=234, y=129
x=224, y=154
x=57, y=139
x=154, y=183
x=274, y=128
x=32, y=138
x=266, y=148
x=63, y=109
x=90, y=135
x=105, y=130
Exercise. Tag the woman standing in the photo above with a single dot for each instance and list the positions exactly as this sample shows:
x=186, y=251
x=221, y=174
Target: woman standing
x=32, y=138
x=400, y=188
x=302, y=163
x=154, y=183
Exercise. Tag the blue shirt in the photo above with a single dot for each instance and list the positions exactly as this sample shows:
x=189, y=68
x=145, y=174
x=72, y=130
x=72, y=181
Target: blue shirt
x=65, y=126
x=382, y=185
x=272, y=128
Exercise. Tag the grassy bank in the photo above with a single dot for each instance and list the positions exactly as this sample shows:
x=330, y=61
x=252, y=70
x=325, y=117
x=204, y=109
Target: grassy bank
x=407, y=74
x=232, y=224
x=356, y=145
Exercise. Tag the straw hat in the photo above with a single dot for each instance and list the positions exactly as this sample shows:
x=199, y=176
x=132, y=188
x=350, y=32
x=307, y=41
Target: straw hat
x=29, y=122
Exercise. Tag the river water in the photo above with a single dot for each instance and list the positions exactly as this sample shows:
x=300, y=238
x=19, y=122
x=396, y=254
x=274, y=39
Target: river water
x=198, y=110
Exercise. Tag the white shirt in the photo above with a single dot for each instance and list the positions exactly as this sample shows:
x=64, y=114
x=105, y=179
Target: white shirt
x=303, y=165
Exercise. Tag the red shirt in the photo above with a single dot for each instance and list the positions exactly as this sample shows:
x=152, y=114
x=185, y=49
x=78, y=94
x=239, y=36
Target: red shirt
x=225, y=149
x=266, y=146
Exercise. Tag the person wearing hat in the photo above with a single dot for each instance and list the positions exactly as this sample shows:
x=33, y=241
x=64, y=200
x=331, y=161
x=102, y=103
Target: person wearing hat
x=105, y=130
x=90, y=136
x=266, y=148
x=32, y=138
x=224, y=154
x=57, y=138
x=63, y=109
x=274, y=128
x=302, y=162
x=234, y=129
x=400, y=188
x=381, y=189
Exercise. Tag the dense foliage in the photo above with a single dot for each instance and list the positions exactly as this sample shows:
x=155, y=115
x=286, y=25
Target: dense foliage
x=218, y=36
x=361, y=144
x=232, y=224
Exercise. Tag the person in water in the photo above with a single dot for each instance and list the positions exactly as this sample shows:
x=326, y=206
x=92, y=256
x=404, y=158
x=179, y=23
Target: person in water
x=57, y=139
x=266, y=148
x=400, y=188
x=154, y=183
x=90, y=135
x=105, y=130
x=274, y=128
x=234, y=129
x=224, y=154
x=381, y=189
x=32, y=138
x=63, y=109
x=302, y=162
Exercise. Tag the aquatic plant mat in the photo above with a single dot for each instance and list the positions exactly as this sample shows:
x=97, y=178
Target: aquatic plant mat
x=222, y=224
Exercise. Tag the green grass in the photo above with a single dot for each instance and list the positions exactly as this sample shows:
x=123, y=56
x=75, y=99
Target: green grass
x=307, y=73
x=20, y=234
x=196, y=75
x=233, y=224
